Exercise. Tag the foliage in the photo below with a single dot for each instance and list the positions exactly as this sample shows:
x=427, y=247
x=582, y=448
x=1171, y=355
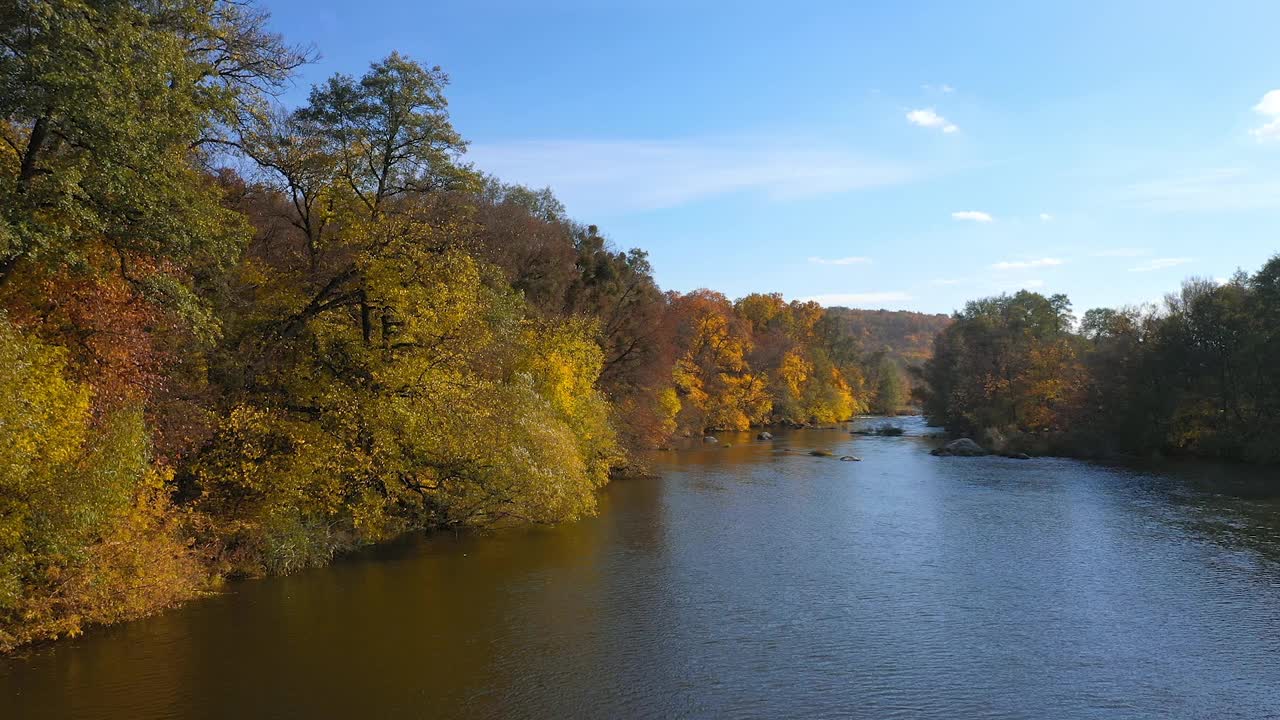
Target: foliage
x=1005, y=365
x=86, y=532
x=717, y=387
x=105, y=106
x=395, y=380
x=213, y=372
x=891, y=387
x=1195, y=376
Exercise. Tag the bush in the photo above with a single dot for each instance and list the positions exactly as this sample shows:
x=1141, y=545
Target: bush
x=87, y=533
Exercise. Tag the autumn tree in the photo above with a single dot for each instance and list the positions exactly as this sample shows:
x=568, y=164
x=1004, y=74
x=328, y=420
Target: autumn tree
x=395, y=379
x=716, y=387
x=87, y=534
x=1006, y=365
x=809, y=368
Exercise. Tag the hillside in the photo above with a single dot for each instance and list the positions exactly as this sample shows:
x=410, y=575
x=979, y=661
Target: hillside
x=902, y=335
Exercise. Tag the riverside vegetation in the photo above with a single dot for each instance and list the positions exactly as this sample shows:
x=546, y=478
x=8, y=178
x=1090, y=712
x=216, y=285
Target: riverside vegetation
x=236, y=338
x=1198, y=375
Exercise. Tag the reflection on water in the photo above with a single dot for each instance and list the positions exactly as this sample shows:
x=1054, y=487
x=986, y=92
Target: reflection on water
x=751, y=581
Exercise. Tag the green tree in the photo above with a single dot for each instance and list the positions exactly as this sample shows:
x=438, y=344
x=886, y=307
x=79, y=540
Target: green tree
x=1006, y=365
x=107, y=106
x=891, y=388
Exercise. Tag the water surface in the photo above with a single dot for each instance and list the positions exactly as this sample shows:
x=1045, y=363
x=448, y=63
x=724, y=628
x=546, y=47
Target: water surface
x=756, y=583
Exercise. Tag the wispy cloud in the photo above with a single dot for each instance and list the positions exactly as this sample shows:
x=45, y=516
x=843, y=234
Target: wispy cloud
x=928, y=118
x=1121, y=252
x=1010, y=285
x=597, y=177
x=1046, y=217
x=1268, y=107
x=855, y=299
x=1219, y=189
x=973, y=215
x=1027, y=264
x=839, y=261
x=1161, y=264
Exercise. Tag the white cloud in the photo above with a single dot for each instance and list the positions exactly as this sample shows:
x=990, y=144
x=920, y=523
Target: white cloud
x=1046, y=217
x=1268, y=107
x=840, y=261
x=855, y=299
x=974, y=215
x=1026, y=264
x=927, y=118
x=601, y=177
x=1122, y=252
x=1161, y=264
x=1270, y=104
x=947, y=88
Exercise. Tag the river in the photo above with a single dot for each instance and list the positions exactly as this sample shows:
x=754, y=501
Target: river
x=749, y=582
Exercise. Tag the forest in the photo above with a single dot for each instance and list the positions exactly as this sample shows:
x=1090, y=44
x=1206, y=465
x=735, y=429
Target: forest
x=1198, y=375
x=237, y=338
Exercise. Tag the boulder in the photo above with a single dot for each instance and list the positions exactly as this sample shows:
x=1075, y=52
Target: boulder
x=850, y=458
x=709, y=440
x=964, y=447
x=821, y=453
x=1018, y=456
x=764, y=435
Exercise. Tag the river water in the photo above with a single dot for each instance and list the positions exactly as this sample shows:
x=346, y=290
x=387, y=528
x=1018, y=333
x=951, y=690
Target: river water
x=749, y=582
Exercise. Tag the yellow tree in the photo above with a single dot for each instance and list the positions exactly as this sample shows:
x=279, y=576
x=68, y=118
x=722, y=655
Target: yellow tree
x=87, y=534
x=718, y=388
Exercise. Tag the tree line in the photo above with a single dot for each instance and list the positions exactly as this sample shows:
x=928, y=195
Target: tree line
x=236, y=338
x=1196, y=375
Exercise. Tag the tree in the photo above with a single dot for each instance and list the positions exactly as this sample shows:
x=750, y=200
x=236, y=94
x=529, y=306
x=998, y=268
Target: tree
x=1006, y=365
x=87, y=533
x=716, y=386
x=396, y=380
x=891, y=389
x=107, y=106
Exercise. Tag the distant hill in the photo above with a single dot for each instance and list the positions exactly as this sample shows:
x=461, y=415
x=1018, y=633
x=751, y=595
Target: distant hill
x=902, y=335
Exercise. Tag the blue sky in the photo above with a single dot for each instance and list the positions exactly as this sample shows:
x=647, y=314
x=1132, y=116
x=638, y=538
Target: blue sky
x=897, y=154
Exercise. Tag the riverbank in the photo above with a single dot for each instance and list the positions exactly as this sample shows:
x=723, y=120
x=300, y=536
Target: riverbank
x=1090, y=446
x=745, y=582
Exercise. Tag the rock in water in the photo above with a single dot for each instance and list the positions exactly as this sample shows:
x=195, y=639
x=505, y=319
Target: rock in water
x=709, y=440
x=964, y=447
x=765, y=435
x=850, y=458
x=821, y=453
